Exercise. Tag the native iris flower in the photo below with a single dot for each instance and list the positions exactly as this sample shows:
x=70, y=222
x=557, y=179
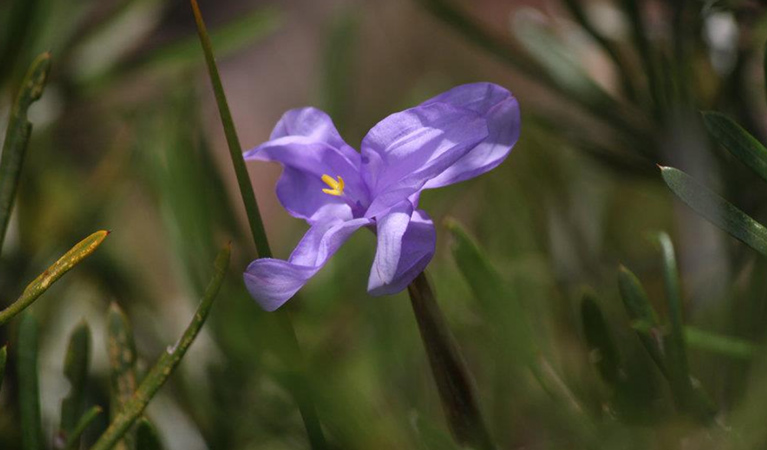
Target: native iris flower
x=455, y=136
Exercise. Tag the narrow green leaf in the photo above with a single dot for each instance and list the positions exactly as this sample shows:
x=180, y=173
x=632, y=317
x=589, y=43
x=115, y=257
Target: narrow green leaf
x=300, y=392
x=501, y=308
x=675, y=346
x=640, y=309
x=716, y=210
x=232, y=140
x=17, y=137
x=167, y=362
x=73, y=440
x=602, y=349
x=147, y=437
x=3, y=360
x=454, y=383
x=15, y=31
x=76, y=365
x=338, y=66
x=29, y=390
x=639, y=36
x=36, y=288
x=706, y=340
x=121, y=350
x=737, y=141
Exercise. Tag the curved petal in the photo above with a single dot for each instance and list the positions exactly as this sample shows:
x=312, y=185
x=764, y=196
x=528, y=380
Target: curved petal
x=272, y=282
x=307, y=145
x=406, y=241
x=407, y=149
x=501, y=111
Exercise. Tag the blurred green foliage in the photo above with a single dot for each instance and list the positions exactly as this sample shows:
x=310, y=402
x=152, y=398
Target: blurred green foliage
x=568, y=350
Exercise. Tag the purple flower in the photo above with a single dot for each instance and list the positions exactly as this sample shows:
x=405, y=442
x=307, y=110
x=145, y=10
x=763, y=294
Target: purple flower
x=455, y=136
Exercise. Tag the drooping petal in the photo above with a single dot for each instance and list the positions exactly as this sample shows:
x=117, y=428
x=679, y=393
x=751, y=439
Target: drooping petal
x=407, y=149
x=307, y=145
x=272, y=282
x=406, y=241
x=501, y=111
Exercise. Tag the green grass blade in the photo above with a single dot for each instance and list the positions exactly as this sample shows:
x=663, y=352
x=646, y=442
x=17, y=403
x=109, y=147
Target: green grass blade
x=36, y=288
x=73, y=440
x=737, y=141
x=15, y=31
x=29, y=389
x=723, y=345
x=300, y=391
x=147, y=437
x=501, y=308
x=17, y=137
x=121, y=350
x=3, y=361
x=640, y=309
x=599, y=340
x=675, y=346
x=233, y=141
x=716, y=210
x=76, y=365
x=167, y=362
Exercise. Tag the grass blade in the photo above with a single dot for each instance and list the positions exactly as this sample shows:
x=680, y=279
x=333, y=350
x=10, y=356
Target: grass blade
x=300, y=391
x=73, y=441
x=737, y=141
x=167, y=362
x=121, y=350
x=17, y=137
x=454, y=383
x=76, y=371
x=29, y=389
x=716, y=210
x=706, y=340
x=602, y=349
x=17, y=28
x=640, y=309
x=36, y=288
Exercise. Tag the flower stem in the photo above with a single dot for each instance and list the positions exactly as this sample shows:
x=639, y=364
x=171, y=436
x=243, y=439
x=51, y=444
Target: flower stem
x=454, y=383
x=300, y=390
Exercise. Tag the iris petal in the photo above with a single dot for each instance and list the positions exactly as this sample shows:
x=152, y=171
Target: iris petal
x=407, y=149
x=272, y=282
x=406, y=242
x=501, y=111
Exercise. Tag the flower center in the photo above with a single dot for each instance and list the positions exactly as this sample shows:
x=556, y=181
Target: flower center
x=336, y=186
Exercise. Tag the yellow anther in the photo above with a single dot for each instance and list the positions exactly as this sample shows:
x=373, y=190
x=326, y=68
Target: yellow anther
x=336, y=187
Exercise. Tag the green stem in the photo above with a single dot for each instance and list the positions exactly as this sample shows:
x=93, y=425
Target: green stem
x=454, y=383
x=167, y=362
x=29, y=387
x=17, y=137
x=300, y=392
x=73, y=440
x=36, y=288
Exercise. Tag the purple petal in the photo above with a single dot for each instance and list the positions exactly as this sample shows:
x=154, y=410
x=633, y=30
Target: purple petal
x=407, y=149
x=308, y=146
x=406, y=241
x=501, y=111
x=272, y=282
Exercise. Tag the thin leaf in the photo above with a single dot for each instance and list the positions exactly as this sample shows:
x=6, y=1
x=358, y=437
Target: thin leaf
x=737, y=141
x=454, y=383
x=15, y=31
x=300, y=390
x=167, y=362
x=640, y=309
x=36, y=288
x=602, y=349
x=121, y=350
x=76, y=371
x=29, y=390
x=338, y=67
x=17, y=137
x=716, y=210
x=73, y=441
x=708, y=341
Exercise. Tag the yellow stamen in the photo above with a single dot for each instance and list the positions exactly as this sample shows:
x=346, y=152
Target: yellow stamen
x=336, y=187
